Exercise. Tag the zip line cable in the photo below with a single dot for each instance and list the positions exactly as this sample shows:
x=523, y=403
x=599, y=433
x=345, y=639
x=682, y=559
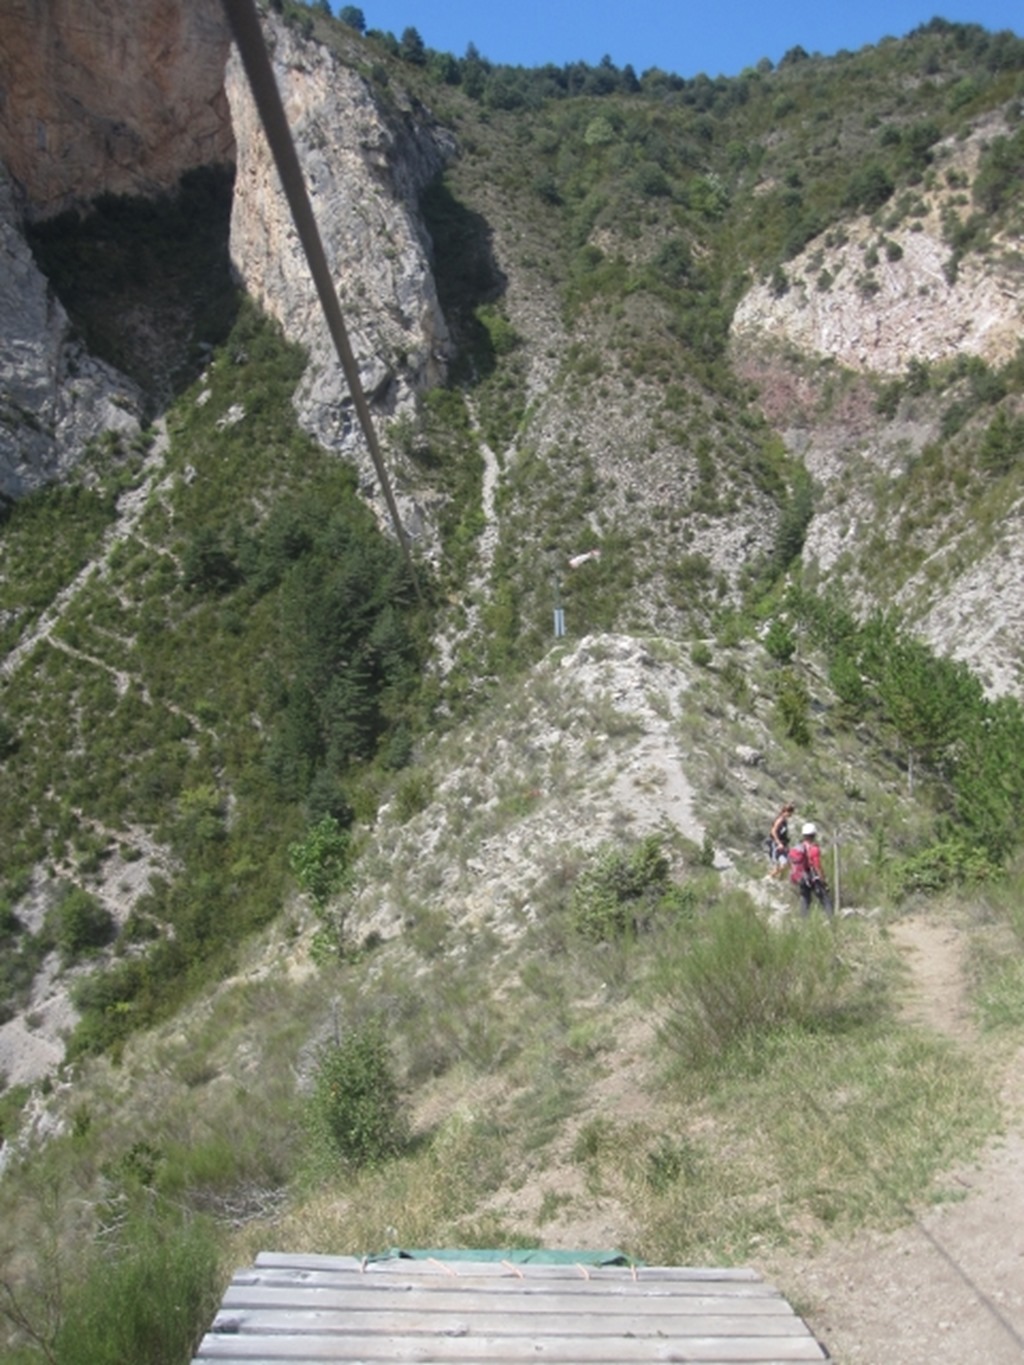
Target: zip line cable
x=248, y=36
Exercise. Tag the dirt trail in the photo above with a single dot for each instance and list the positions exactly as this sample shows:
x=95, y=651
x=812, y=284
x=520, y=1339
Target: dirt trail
x=130, y=507
x=937, y=996
x=949, y=1288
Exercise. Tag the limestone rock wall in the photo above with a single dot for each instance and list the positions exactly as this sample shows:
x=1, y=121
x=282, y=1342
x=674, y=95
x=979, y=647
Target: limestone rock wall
x=365, y=170
x=876, y=297
x=900, y=310
x=54, y=396
x=100, y=95
x=95, y=97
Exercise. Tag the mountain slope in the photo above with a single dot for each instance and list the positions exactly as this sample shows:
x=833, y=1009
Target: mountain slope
x=547, y=1098
x=260, y=793
x=629, y=291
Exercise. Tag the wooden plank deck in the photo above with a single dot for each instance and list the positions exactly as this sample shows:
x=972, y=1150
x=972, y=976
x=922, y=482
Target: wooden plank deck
x=344, y=1310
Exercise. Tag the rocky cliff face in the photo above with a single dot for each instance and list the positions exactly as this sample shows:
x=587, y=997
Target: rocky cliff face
x=876, y=298
x=54, y=396
x=364, y=170
x=100, y=96
x=95, y=98
x=882, y=294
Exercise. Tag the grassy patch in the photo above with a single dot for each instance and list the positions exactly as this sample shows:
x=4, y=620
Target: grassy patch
x=831, y=1133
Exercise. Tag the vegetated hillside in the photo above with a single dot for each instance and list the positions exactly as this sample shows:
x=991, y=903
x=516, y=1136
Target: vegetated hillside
x=651, y=424
x=566, y=1012
x=222, y=688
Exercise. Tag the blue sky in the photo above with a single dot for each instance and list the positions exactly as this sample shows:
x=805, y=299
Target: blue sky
x=718, y=37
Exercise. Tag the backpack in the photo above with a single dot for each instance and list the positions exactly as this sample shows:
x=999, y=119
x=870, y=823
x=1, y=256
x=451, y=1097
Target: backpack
x=801, y=864
x=804, y=871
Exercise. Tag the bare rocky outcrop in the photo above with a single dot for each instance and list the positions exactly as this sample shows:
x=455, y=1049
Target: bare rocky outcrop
x=54, y=396
x=964, y=598
x=859, y=306
x=365, y=169
x=981, y=619
x=99, y=96
x=875, y=297
x=881, y=317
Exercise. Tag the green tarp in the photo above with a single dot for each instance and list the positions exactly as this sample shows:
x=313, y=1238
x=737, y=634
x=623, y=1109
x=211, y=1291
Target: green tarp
x=517, y=1255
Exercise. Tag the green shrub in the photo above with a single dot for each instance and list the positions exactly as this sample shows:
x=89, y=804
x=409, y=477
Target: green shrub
x=736, y=683
x=354, y=1115
x=320, y=864
x=415, y=793
x=8, y=738
x=792, y=705
x=942, y=865
x=12, y=1102
x=109, y=1005
x=200, y=819
x=503, y=335
x=999, y=172
x=779, y=642
x=868, y=188
x=845, y=679
x=81, y=925
x=1001, y=445
x=690, y=579
x=619, y=895
x=147, y=1300
x=743, y=980
x=207, y=565
x=320, y=860
x=791, y=531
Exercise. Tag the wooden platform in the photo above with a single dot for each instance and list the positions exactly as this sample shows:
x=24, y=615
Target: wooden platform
x=474, y=1312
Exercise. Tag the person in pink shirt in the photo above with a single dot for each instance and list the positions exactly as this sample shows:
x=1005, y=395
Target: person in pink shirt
x=806, y=872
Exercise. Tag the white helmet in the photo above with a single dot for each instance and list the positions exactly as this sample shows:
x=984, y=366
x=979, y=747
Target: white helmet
x=808, y=832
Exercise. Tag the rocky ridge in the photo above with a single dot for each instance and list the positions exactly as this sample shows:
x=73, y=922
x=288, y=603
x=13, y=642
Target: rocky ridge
x=606, y=706
x=878, y=296
x=590, y=750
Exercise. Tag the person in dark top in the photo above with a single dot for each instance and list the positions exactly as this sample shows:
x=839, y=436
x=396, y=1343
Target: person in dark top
x=778, y=841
